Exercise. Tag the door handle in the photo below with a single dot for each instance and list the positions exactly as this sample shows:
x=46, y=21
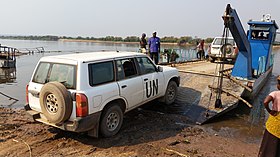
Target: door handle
x=145, y=79
x=124, y=86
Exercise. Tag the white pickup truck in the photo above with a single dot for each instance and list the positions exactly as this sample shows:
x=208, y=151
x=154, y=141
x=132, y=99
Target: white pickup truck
x=90, y=92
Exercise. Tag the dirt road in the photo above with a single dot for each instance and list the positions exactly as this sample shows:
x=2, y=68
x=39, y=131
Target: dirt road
x=144, y=133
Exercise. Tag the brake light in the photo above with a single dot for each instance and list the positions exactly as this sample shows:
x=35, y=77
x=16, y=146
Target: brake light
x=81, y=105
x=26, y=94
x=236, y=50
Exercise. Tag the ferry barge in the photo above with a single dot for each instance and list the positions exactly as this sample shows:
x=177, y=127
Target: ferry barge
x=208, y=90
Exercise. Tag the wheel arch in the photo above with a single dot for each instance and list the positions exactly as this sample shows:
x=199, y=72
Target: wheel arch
x=164, y=99
x=175, y=79
x=119, y=101
x=114, y=103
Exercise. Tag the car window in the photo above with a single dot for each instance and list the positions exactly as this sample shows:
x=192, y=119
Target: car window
x=120, y=71
x=49, y=72
x=64, y=74
x=218, y=41
x=100, y=73
x=126, y=68
x=41, y=73
x=145, y=65
x=260, y=35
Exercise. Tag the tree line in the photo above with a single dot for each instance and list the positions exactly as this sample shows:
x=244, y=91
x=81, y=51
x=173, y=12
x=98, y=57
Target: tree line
x=31, y=37
x=179, y=40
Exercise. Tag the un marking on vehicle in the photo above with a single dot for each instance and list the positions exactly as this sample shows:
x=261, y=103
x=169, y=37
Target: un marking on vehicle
x=151, y=88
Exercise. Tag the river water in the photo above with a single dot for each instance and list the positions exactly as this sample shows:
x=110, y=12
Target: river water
x=13, y=81
x=246, y=124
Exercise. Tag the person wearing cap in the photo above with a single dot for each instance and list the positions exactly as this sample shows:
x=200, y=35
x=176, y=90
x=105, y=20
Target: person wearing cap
x=270, y=146
x=143, y=43
x=154, y=46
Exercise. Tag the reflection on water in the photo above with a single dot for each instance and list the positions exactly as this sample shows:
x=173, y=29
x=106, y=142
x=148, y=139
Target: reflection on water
x=257, y=112
x=7, y=75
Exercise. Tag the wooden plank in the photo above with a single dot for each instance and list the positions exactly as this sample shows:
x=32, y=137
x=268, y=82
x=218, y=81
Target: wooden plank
x=237, y=82
x=234, y=95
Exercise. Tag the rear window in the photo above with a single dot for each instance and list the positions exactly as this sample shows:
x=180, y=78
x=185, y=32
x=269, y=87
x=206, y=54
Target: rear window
x=41, y=73
x=218, y=41
x=100, y=73
x=49, y=72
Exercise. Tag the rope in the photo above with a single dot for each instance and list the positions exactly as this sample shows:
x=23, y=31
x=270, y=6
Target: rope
x=219, y=66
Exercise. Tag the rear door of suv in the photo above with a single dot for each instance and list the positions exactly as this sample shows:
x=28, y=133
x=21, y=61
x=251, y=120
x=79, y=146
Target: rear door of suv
x=49, y=72
x=103, y=87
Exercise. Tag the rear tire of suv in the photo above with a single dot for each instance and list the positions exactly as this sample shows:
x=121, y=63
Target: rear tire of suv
x=170, y=93
x=56, y=103
x=111, y=120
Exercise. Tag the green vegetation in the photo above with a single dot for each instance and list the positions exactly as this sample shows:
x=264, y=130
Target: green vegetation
x=184, y=40
x=47, y=37
x=179, y=40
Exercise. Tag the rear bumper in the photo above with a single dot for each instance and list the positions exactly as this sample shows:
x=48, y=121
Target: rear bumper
x=220, y=56
x=82, y=124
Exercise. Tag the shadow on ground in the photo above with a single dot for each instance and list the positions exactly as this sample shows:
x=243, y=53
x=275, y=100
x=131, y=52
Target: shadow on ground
x=151, y=122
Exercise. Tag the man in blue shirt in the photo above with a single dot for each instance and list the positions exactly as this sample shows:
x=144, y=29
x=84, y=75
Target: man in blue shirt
x=154, y=45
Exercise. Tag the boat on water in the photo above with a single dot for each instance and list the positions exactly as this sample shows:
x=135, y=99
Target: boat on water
x=209, y=90
x=254, y=62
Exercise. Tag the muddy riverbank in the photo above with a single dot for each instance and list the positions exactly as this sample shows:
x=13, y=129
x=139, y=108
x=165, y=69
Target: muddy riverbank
x=151, y=130
x=144, y=133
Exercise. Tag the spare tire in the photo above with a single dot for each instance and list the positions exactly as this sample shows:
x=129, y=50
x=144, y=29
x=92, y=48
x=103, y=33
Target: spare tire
x=56, y=103
x=227, y=49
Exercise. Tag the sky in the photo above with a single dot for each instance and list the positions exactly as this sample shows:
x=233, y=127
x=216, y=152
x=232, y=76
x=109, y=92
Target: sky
x=122, y=18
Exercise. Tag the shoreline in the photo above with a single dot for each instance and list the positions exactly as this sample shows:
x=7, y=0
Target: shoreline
x=115, y=42
x=122, y=42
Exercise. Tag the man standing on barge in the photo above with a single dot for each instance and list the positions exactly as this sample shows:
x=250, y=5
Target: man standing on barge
x=154, y=46
x=143, y=43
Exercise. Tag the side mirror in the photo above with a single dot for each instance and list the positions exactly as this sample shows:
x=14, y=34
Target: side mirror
x=159, y=69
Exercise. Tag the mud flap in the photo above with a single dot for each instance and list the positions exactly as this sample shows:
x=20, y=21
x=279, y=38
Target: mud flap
x=94, y=132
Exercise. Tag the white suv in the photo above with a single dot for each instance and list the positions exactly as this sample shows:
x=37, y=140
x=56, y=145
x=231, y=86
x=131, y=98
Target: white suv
x=90, y=92
x=216, y=48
